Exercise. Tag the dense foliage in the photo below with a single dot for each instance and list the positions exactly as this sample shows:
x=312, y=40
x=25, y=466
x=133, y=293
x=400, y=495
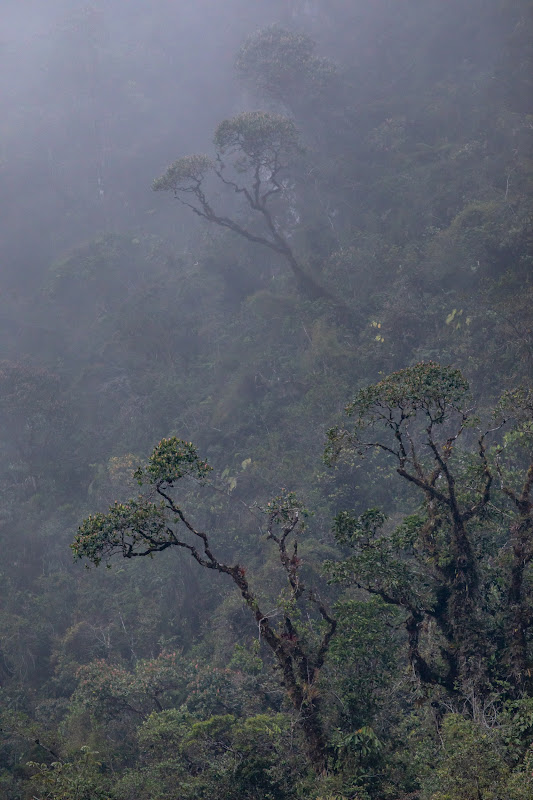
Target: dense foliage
x=308, y=382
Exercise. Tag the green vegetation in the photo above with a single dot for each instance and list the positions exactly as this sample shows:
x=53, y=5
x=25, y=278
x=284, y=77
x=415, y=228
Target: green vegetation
x=319, y=406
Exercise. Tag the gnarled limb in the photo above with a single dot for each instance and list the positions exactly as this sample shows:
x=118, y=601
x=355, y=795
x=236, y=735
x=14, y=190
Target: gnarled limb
x=141, y=528
x=261, y=147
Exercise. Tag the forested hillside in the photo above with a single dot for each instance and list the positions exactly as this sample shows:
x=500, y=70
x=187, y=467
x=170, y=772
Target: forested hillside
x=267, y=371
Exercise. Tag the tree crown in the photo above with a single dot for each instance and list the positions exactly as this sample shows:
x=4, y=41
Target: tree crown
x=278, y=63
x=426, y=387
x=262, y=137
x=184, y=175
x=171, y=460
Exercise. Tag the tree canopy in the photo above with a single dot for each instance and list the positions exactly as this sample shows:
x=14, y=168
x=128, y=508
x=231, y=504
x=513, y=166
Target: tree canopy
x=288, y=415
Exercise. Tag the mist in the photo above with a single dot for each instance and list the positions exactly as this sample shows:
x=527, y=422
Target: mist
x=339, y=242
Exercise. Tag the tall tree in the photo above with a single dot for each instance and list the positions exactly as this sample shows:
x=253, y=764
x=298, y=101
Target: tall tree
x=254, y=153
x=142, y=527
x=438, y=564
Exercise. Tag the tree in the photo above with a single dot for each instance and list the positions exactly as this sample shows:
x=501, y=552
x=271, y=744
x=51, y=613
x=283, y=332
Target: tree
x=74, y=780
x=30, y=410
x=221, y=756
x=254, y=152
x=142, y=527
x=516, y=479
x=446, y=566
x=281, y=65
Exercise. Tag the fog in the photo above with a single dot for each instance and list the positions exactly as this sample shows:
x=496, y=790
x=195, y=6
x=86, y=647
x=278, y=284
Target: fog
x=357, y=203
x=96, y=100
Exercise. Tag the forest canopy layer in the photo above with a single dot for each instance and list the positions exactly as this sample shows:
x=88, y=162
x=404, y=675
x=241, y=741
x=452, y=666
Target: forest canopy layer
x=284, y=402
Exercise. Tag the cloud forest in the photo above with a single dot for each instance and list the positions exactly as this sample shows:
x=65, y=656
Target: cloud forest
x=266, y=400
